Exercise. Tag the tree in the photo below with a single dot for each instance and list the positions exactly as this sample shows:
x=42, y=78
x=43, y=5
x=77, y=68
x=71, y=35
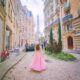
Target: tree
x=51, y=40
x=51, y=37
x=59, y=36
x=59, y=31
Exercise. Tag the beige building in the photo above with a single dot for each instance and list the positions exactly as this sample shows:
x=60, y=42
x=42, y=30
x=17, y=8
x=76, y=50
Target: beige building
x=16, y=25
x=22, y=27
x=51, y=18
x=71, y=25
x=26, y=28
x=30, y=28
x=2, y=24
x=11, y=24
x=69, y=13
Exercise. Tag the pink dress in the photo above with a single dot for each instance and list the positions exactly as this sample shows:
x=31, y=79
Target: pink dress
x=38, y=63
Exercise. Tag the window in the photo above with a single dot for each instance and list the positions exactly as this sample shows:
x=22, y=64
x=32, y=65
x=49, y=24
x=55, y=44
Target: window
x=79, y=10
x=10, y=11
x=69, y=26
x=64, y=29
x=67, y=7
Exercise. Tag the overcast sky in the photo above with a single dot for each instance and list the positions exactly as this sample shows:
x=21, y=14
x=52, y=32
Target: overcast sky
x=36, y=6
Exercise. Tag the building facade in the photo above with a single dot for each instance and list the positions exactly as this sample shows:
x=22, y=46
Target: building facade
x=26, y=27
x=51, y=13
x=2, y=24
x=16, y=25
x=69, y=13
x=30, y=28
x=71, y=25
x=19, y=23
x=10, y=37
x=23, y=27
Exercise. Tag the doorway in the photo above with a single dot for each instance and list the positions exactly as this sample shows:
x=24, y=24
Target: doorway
x=70, y=42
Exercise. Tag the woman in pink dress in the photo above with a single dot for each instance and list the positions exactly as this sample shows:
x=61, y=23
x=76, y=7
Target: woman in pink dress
x=38, y=63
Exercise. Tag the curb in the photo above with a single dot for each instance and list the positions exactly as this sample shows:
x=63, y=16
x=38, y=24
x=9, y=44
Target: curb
x=2, y=77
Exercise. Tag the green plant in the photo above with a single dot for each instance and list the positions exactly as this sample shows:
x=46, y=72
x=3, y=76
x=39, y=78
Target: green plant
x=55, y=46
x=59, y=47
x=48, y=47
x=61, y=55
x=51, y=37
x=59, y=37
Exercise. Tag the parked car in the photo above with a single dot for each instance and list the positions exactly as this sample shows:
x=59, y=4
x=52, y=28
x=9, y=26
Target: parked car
x=30, y=47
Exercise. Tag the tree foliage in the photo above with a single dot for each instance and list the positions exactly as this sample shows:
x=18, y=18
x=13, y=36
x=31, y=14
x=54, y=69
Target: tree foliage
x=59, y=36
x=51, y=37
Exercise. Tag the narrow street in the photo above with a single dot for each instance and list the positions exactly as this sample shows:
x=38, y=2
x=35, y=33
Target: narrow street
x=33, y=25
x=56, y=70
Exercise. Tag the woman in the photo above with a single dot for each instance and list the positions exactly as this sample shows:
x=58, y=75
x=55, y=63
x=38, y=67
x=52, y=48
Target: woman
x=38, y=63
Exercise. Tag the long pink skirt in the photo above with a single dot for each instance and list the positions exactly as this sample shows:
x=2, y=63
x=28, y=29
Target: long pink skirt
x=38, y=63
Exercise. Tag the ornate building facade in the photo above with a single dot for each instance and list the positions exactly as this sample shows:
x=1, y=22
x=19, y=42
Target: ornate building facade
x=16, y=24
x=69, y=13
x=52, y=13
x=71, y=25
x=2, y=24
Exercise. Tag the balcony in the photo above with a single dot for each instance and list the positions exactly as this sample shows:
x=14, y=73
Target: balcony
x=67, y=18
x=52, y=23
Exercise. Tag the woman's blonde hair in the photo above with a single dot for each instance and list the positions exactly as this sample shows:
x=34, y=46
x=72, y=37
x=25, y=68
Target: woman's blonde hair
x=37, y=47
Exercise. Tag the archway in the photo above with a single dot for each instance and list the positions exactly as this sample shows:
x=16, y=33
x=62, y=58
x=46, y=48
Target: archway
x=70, y=42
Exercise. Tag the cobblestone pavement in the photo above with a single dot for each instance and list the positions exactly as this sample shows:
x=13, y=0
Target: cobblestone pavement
x=56, y=70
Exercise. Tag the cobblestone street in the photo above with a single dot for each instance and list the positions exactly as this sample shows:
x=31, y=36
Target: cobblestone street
x=56, y=70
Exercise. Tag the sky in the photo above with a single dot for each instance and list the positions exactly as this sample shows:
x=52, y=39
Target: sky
x=36, y=6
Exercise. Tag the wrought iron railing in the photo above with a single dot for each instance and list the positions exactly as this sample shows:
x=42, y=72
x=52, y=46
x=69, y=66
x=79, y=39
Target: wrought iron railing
x=67, y=18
